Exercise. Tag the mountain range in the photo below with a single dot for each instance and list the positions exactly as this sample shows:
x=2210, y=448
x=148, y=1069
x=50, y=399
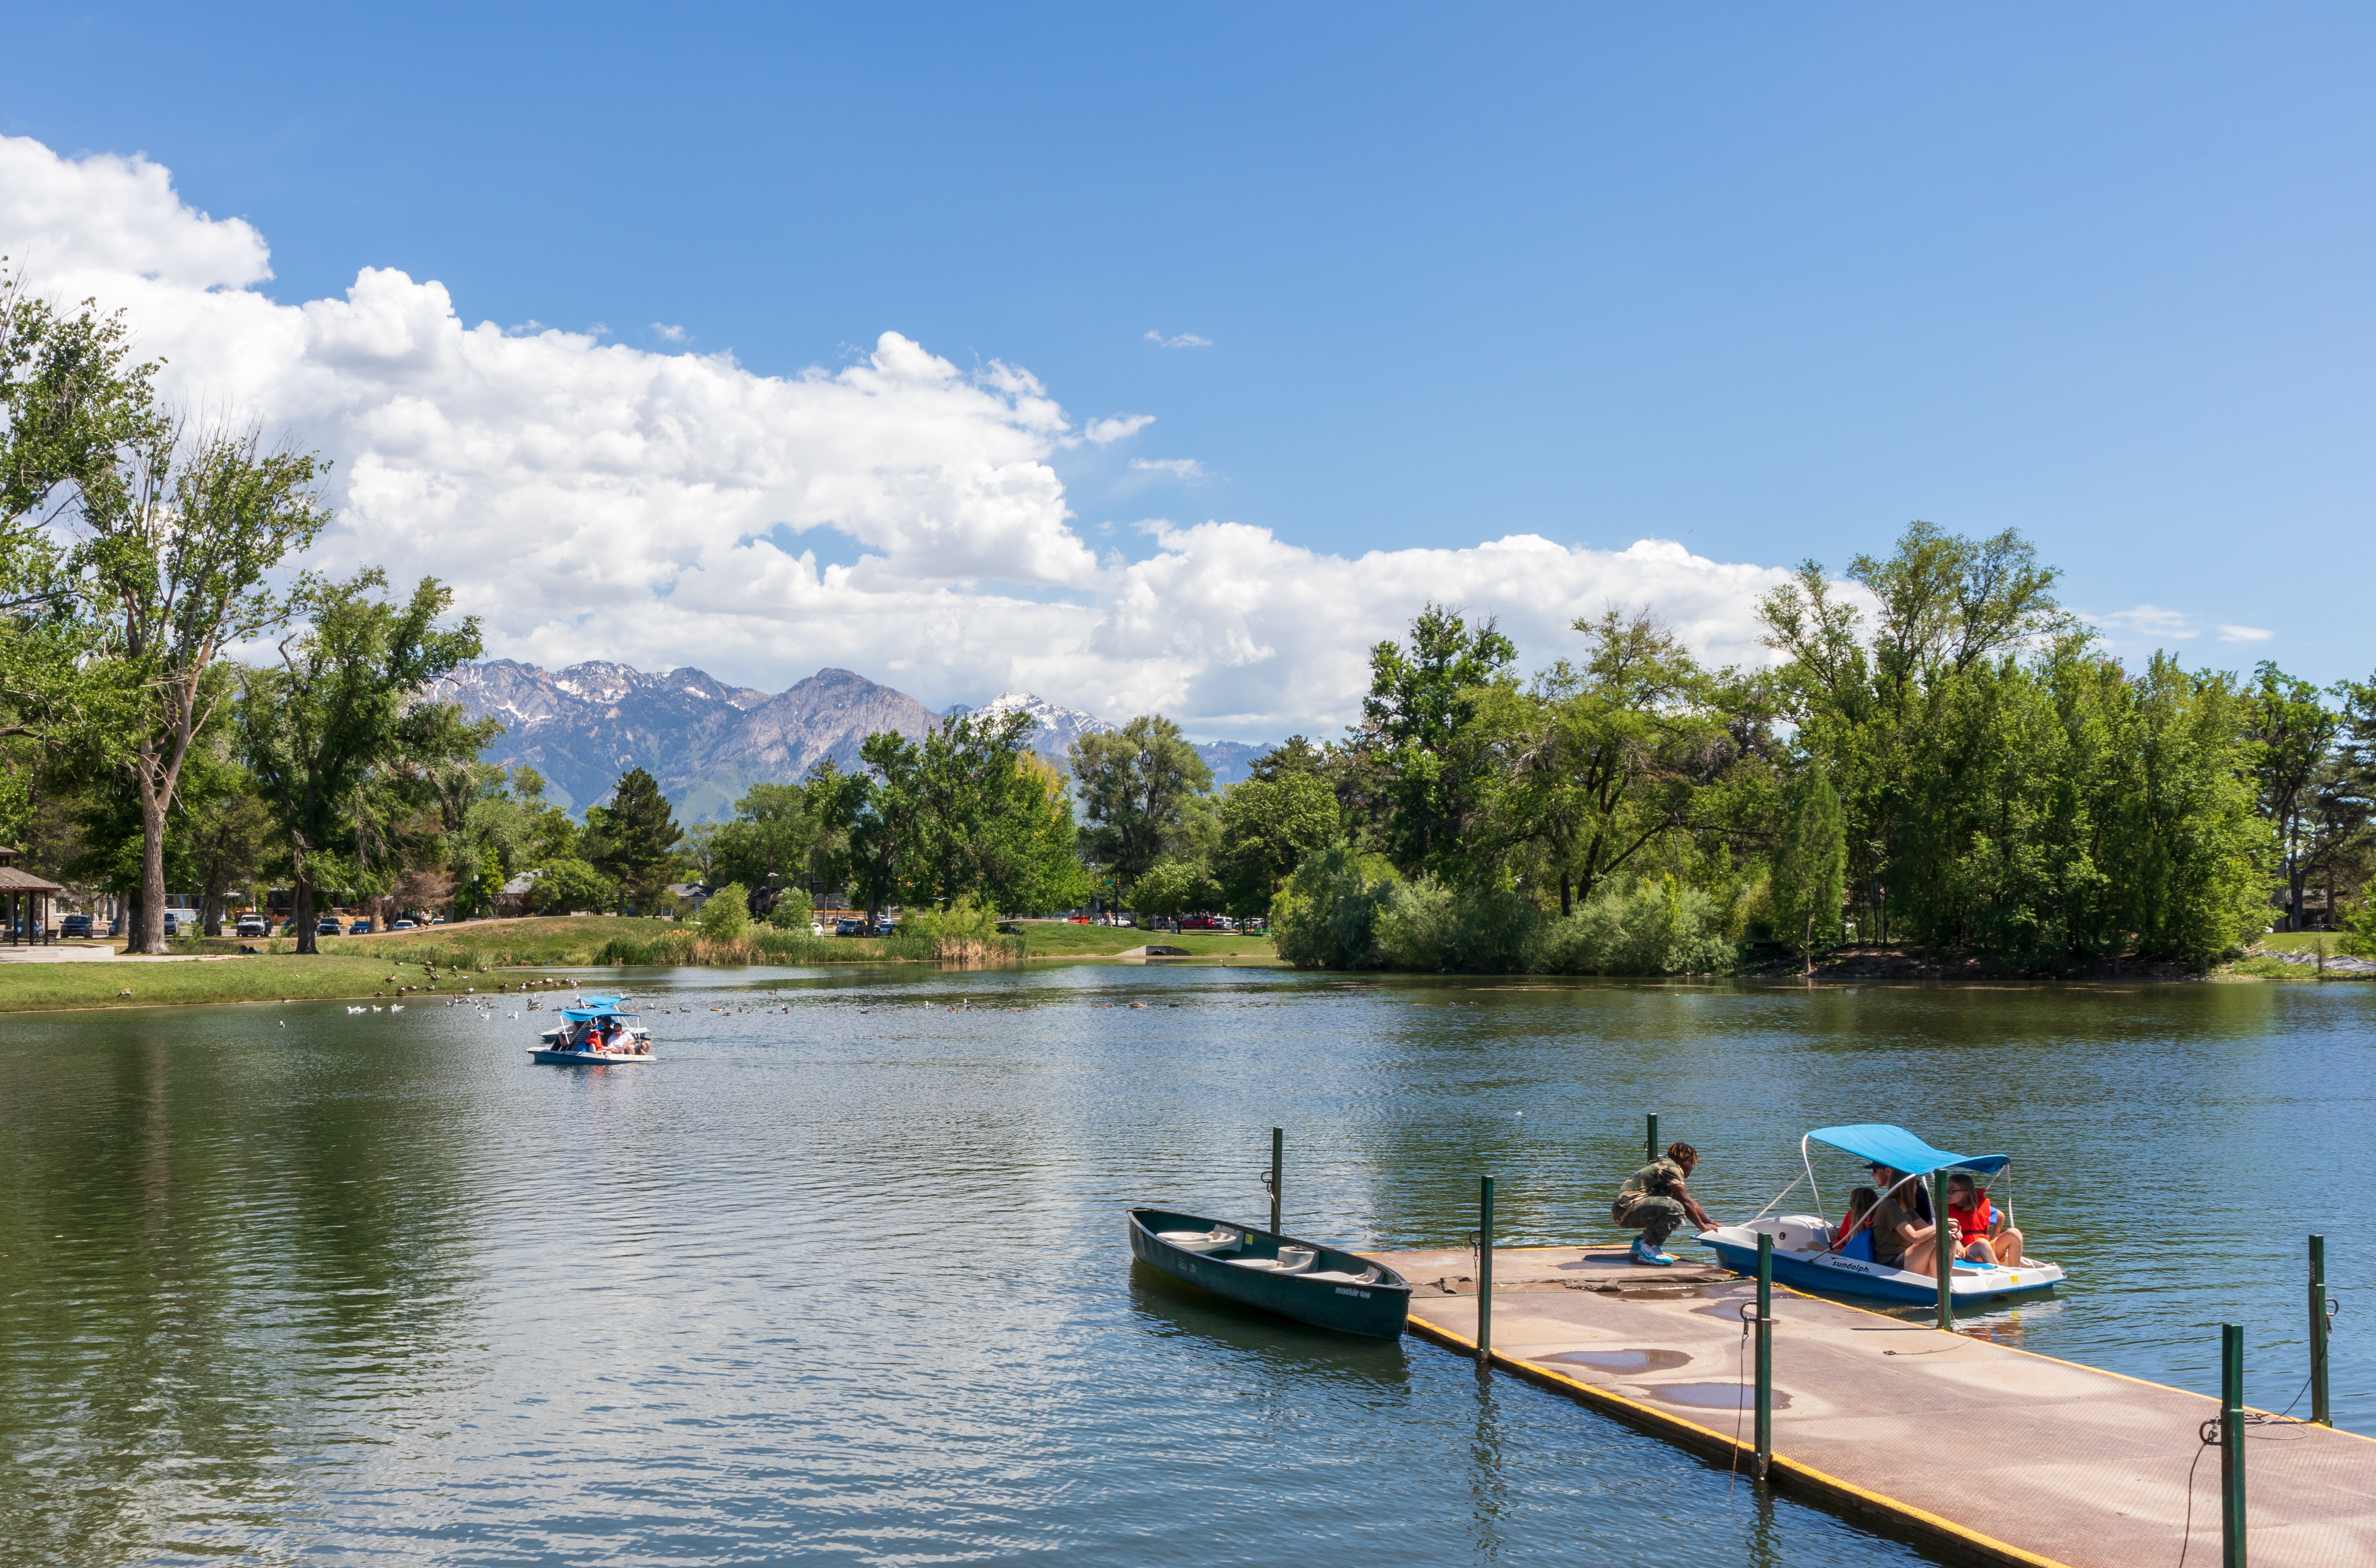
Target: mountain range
x=709, y=743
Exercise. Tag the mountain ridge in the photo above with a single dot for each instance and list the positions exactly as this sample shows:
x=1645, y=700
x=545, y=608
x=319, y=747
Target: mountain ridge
x=706, y=742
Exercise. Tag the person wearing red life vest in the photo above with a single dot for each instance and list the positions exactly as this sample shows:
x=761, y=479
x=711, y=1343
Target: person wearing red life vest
x=1988, y=1236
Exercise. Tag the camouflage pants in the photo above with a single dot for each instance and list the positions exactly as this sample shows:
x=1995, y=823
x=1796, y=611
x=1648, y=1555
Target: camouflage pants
x=1656, y=1218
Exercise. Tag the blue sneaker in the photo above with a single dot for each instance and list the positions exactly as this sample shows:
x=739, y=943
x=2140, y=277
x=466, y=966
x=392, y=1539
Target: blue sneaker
x=1645, y=1253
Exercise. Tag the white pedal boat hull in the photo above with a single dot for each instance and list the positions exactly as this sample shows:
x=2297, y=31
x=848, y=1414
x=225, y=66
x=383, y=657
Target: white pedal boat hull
x=1799, y=1262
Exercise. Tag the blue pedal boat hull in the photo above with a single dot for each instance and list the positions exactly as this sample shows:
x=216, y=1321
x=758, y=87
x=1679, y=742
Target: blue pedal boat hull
x=1974, y=1287
x=1350, y=1303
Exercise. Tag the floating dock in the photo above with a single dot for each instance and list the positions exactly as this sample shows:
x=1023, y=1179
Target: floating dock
x=1971, y=1449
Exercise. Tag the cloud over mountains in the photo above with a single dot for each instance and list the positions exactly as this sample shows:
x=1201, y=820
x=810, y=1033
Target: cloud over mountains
x=590, y=500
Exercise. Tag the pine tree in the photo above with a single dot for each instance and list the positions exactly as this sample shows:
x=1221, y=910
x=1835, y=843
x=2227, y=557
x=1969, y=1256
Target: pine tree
x=633, y=838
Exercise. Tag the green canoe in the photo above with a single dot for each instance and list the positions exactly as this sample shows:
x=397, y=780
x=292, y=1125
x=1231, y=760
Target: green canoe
x=1311, y=1283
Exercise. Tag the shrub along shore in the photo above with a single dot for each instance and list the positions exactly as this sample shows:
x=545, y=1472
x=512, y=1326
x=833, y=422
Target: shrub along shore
x=485, y=957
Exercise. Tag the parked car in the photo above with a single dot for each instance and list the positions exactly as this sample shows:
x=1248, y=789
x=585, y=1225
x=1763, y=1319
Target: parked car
x=403, y=925
x=173, y=921
x=1203, y=923
x=361, y=928
x=254, y=925
x=74, y=926
x=850, y=928
x=327, y=926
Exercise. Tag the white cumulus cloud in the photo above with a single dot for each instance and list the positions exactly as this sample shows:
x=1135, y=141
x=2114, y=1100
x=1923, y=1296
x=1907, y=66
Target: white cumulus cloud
x=588, y=499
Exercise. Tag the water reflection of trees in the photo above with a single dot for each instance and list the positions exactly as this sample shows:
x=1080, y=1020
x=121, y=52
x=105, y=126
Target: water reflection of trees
x=211, y=1273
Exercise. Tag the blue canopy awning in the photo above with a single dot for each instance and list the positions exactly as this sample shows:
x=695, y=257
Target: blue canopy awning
x=1902, y=1151
x=598, y=1007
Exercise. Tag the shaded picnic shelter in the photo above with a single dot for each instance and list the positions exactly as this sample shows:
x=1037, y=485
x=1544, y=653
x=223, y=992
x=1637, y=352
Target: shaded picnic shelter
x=28, y=900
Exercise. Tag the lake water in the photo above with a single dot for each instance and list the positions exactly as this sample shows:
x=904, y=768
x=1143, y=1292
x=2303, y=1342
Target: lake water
x=846, y=1281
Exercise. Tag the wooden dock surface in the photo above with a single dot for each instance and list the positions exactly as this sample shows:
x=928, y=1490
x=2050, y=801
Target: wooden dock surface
x=1972, y=1448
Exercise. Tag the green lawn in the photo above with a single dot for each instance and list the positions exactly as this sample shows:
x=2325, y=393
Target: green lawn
x=1061, y=939
x=2298, y=941
x=26, y=988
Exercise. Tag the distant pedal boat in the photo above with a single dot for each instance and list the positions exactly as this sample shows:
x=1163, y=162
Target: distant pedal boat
x=1303, y=1280
x=556, y=1051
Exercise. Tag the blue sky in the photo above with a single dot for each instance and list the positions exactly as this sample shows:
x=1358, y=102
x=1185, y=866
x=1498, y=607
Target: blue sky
x=1766, y=281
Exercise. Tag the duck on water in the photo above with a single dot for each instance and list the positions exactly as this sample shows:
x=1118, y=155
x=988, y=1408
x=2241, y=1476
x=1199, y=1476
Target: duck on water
x=599, y=1031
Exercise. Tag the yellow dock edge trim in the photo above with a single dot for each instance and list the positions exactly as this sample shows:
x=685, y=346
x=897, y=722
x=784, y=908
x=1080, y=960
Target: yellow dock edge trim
x=1920, y=1521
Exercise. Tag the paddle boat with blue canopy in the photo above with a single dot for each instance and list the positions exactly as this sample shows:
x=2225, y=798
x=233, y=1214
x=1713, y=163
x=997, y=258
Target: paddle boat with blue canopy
x=599, y=1031
x=1809, y=1256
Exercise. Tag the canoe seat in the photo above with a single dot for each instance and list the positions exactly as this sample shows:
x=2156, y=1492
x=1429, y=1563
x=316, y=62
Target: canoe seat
x=1200, y=1241
x=1290, y=1260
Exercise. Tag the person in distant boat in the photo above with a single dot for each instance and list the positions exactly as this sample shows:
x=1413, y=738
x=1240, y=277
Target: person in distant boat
x=1654, y=1201
x=1902, y=1236
x=1987, y=1234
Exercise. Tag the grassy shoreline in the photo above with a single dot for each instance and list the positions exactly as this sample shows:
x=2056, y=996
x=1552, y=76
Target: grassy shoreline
x=457, y=960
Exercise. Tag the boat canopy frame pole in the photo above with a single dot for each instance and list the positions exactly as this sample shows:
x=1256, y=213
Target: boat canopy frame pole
x=1808, y=1161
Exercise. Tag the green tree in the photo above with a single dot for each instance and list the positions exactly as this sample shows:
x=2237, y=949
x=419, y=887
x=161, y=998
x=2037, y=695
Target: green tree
x=792, y=910
x=967, y=811
x=631, y=839
x=228, y=829
x=1326, y=917
x=2296, y=733
x=1811, y=866
x=1606, y=760
x=725, y=914
x=1270, y=824
x=566, y=885
x=1417, y=728
x=1134, y=786
x=771, y=842
x=1877, y=710
x=175, y=548
x=1171, y=888
x=72, y=400
x=342, y=741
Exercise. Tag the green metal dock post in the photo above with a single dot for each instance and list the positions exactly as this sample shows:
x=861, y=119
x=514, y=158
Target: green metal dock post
x=2231, y=1445
x=1946, y=1253
x=2319, y=1410
x=1278, y=1163
x=1484, y=1271
x=1764, y=1353
x=1652, y=1141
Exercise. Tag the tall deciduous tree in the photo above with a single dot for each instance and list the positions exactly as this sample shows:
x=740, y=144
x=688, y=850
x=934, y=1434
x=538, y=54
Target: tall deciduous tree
x=1809, y=865
x=1270, y=824
x=1416, y=727
x=72, y=401
x=345, y=736
x=1604, y=760
x=1134, y=786
x=177, y=543
x=2297, y=732
x=768, y=845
